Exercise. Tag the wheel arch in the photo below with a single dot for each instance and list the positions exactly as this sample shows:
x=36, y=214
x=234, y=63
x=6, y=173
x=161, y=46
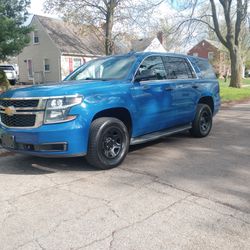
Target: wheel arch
x=120, y=113
x=207, y=100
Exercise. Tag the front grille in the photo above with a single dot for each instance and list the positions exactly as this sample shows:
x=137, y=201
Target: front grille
x=18, y=120
x=19, y=103
x=21, y=113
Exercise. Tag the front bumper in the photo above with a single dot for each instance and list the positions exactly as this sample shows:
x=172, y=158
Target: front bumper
x=56, y=140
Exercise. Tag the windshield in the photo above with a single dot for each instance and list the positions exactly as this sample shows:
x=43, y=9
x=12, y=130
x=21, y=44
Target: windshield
x=109, y=68
x=3, y=67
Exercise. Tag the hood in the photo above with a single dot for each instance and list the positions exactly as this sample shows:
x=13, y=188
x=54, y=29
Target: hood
x=56, y=89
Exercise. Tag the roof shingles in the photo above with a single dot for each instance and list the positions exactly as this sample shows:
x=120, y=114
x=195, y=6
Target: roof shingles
x=69, y=39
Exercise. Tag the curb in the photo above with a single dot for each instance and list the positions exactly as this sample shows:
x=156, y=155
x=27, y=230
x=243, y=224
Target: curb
x=229, y=104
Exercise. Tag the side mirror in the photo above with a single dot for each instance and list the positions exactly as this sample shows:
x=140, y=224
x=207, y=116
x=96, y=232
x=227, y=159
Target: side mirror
x=145, y=75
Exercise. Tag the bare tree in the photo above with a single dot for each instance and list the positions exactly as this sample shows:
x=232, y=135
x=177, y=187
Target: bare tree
x=231, y=14
x=103, y=14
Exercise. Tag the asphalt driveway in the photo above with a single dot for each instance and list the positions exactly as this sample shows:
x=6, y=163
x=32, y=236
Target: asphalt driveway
x=175, y=193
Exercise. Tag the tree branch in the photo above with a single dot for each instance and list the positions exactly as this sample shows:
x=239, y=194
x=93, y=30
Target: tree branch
x=241, y=15
x=99, y=7
x=216, y=23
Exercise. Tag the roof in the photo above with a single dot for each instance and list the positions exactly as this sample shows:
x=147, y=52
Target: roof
x=141, y=44
x=71, y=39
x=216, y=44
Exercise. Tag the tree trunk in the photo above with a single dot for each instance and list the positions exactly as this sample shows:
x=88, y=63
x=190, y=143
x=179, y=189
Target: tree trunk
x=236, y=67
x=108, y=32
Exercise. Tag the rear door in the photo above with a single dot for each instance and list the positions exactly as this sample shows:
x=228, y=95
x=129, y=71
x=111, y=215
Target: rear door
x=186, y=91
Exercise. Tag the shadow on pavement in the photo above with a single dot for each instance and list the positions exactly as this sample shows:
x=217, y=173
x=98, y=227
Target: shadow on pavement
x=29, y=165
x=18, y=164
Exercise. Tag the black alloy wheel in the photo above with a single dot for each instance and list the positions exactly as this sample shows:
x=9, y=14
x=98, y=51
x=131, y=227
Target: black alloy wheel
x=112, y=142
x=203, y=121
x=108, y=143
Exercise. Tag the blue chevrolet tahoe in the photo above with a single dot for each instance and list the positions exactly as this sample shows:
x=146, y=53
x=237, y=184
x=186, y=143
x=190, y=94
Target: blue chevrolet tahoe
x=110, y=103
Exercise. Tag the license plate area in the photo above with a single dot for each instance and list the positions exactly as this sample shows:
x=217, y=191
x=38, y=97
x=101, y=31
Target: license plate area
x=8, y=141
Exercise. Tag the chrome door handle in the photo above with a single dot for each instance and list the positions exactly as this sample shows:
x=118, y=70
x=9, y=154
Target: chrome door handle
x=195, y=87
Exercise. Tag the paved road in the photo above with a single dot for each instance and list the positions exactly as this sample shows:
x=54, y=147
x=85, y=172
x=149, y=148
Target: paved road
x=176, y=193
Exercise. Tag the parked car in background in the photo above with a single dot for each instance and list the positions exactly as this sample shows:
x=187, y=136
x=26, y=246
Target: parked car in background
x=247, y=73
x=4, y=83
x=10, y=72
x=110, y=103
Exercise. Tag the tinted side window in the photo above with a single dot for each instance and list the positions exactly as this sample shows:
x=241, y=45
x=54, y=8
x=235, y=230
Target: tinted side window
x=205, y=68
x=153, y=67
x=178, y=68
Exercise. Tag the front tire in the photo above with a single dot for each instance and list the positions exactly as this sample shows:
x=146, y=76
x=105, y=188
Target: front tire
x=203, y=121
x=12, y=82
x=108, y=143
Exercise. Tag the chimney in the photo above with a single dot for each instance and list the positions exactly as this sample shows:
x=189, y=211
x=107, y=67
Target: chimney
x=160, y=36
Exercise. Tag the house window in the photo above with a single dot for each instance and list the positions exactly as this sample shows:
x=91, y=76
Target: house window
x=195, y=54
x=46, y=65
x=210, y=56
x=35, y=37
x=30, y=69
x=77, y=62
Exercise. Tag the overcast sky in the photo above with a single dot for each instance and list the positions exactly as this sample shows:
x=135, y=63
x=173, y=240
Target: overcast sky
x=37, y=8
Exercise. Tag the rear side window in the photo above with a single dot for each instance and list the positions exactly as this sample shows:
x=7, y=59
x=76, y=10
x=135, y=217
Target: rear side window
x=178, y=68
x=205, y=68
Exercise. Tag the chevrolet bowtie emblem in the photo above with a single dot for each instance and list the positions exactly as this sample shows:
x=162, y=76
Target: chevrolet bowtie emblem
x=10, y=111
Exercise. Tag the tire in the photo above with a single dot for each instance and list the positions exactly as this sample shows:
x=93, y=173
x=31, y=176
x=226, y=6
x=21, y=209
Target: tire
x=203, y=121
x=108, y=143
x=12, y=82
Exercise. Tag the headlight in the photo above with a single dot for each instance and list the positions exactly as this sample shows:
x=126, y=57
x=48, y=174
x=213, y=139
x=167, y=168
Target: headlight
x=57, y=109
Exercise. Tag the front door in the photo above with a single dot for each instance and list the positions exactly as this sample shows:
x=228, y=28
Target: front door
x=30, y=69
x=152, y=94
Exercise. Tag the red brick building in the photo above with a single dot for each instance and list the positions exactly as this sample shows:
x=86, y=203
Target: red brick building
x=215, y=53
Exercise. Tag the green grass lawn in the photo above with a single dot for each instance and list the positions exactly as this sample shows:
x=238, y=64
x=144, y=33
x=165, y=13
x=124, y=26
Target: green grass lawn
x=234, y=94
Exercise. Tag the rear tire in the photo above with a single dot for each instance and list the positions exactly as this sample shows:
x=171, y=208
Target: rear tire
x=203, y=121
x=108, y=143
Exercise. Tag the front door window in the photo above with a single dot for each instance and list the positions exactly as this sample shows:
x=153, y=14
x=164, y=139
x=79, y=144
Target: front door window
x=151, y=68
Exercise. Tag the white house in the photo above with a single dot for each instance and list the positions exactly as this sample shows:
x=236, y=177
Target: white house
x=152, y=44
x=56, y=49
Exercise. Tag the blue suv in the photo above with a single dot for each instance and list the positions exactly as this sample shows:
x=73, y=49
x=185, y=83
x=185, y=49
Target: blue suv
x=110, y=103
